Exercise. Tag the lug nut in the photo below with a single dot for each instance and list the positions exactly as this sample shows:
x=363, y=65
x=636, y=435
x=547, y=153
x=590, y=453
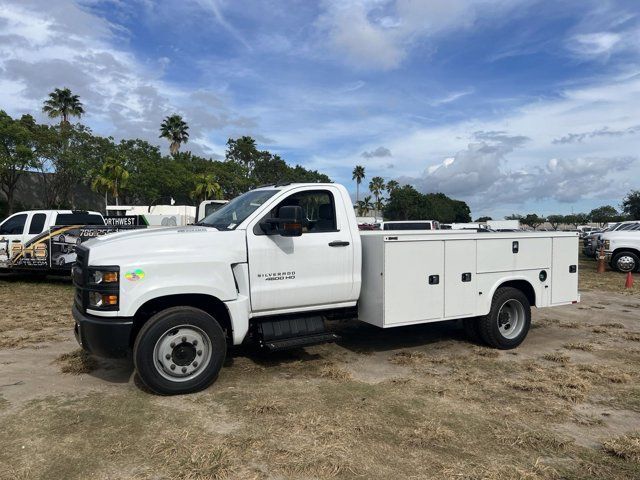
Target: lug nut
x=184, y=369
x=199, y=353
x=184, y=339
x=195, y=342
x=195, y=364
x=167, y=356
x=173, y=367
x=172, y=344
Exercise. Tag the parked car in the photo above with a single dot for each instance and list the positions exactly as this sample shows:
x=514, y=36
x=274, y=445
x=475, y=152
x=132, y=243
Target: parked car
x=272, y=264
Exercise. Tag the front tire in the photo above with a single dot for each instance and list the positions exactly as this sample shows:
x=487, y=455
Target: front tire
x=179, y=350
x=508, y=322
x=626, y=262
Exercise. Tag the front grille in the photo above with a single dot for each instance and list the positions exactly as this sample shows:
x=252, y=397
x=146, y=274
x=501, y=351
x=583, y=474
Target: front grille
x=79, y=274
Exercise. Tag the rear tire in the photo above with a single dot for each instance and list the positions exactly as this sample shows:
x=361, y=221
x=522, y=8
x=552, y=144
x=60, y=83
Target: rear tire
x=179, y=350
x=508, y=322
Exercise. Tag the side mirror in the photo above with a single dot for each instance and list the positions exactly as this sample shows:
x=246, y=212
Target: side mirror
x=290, y=221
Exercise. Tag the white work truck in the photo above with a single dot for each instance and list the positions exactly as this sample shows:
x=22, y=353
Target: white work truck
x=272, y=264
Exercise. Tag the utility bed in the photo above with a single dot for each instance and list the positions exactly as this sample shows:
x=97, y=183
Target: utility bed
x=411, y=277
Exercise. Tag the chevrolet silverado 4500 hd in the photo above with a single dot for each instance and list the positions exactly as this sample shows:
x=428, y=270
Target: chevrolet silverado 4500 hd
x=273, y=263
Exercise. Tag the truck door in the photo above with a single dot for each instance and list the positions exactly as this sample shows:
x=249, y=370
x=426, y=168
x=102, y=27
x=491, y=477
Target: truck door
x=12, y=230
x=459, y=278
x=312, y=270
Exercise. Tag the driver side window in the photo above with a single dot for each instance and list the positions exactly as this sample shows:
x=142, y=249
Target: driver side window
x=14, y=225
x=318, y=208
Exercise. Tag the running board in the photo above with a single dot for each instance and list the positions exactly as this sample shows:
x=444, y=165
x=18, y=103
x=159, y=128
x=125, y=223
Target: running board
x=297, y=342
x=293, y=332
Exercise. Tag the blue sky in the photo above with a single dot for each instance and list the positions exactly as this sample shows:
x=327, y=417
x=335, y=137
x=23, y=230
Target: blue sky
x=511, y=105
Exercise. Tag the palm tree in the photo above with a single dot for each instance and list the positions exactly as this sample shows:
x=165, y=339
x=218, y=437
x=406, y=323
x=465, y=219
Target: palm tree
x=176, y=130
x=205, y=187
x=376, y=186
x=112, y=178
x=392, y=186
x=379, y=204
x=358, y=176
x=364, y=205
x=62, y=103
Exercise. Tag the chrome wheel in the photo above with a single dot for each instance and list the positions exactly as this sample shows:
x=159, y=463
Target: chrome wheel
x=182, y=353
x=626, y=263
x=511, y=319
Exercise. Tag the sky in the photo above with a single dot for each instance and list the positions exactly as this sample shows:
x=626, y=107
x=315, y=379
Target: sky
x=511, y=105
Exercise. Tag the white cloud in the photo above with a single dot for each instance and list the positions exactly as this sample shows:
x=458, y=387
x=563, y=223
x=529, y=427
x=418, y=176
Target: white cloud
x=594, y=44
x=377, y=34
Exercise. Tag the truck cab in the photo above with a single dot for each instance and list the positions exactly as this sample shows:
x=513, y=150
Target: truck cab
x=272, y=264
x=21, y=227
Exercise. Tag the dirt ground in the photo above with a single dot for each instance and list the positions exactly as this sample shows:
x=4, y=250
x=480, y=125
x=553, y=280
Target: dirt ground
x=417, y=402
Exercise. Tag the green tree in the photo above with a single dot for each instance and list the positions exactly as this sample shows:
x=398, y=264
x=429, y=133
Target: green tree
x=483, y=219
x=17, y=153
x=112, y=178
x=377, y=186
x=176, y=130
x=358, y=175
x=206, y=187
x=556, y=220
x=244, y=151
x=364, y=206
x=603, y=214
x=63, y=104
x=631, y=204
x=404, y=203
x=514, y=216
x=532, y=220
x=392, y=186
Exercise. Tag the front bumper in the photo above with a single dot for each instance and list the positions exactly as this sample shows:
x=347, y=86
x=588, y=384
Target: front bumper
x=105, y=337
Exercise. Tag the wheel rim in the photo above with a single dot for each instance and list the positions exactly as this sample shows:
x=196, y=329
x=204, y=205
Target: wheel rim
x=511, y=319
x=182, y=353
x=626, y=263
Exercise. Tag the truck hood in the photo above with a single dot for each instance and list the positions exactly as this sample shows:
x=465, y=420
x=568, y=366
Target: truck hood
x=174, y=243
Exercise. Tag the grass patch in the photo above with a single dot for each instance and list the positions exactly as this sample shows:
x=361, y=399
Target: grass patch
x=187, y=457
x=625, y=446
x=585, y=347
x=333, y=372
x=77, y=362
x=556, y=357
x=407, y=358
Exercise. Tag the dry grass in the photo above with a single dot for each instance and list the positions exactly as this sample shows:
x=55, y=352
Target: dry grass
x=625, y=446
x=302, y=414
x=556, y=357
x=585, y=347
x=77, y=362
x=608, y=281
x=333, y=372
x=407, y=358
x=187, y=457
x=44, y=316
x=613, y=325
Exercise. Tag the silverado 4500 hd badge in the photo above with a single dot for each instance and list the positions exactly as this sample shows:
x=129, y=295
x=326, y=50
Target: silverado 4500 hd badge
x=278, y=276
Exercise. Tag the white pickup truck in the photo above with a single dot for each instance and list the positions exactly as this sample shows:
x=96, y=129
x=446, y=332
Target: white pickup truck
x=273, y=263
x=622, y=248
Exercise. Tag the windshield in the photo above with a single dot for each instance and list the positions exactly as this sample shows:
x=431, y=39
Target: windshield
x=237, y=210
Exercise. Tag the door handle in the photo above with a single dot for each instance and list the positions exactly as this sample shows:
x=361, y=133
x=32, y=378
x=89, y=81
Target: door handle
x=338, y=243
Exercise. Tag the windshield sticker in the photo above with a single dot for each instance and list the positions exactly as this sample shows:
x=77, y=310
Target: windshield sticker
x=135, y=275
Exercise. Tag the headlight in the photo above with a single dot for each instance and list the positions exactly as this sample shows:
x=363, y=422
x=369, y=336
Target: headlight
x=98, y=299
x=104, y=276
